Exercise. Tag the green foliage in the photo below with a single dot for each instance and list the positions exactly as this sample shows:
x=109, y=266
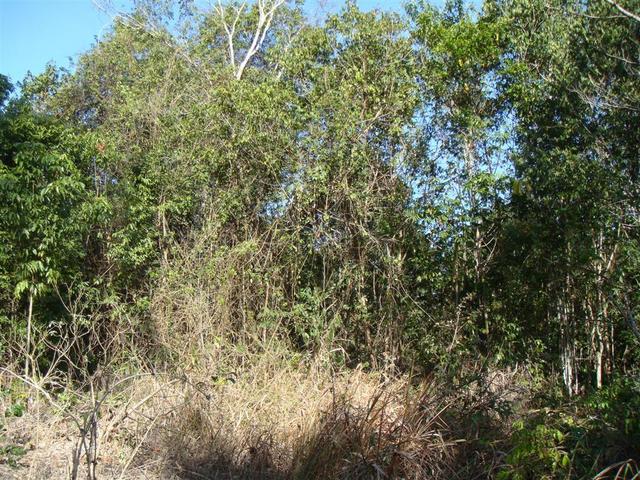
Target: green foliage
x=437, y=189
x=11, y=454
x=5, y=89
x=15, y=410
x=539, y=452
x=47, y=210
x=576, y=440
x=613, y=432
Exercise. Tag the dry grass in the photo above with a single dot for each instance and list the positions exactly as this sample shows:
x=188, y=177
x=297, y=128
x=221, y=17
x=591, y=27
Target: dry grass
x=301, y=422
x=272, y=420
x=390, y=432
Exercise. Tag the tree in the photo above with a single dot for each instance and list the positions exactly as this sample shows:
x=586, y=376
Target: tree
x=46, y=211
x=575, y=96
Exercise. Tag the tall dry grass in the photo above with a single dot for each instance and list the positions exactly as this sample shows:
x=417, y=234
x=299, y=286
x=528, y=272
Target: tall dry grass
x=271, y=418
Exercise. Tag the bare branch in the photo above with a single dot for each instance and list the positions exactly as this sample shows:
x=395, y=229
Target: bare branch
x=624, y=11
x=265, y=17
x=230, y=29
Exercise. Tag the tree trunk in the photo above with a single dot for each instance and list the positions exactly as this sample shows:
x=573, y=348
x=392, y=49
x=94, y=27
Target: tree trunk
x=567, y=340
x=27, y=353
x=599, y=354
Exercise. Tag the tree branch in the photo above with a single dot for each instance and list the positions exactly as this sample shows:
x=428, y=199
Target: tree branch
x=230, y=30
x=624, y=11
x=265, y=17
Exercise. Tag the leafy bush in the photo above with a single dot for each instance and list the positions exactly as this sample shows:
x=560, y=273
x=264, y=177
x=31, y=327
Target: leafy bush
x=539, y=451
x=10, y=454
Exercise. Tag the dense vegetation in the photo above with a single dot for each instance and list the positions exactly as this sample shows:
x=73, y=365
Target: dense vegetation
x=427, y=201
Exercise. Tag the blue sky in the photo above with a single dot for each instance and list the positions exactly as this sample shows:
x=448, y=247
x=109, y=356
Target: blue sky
x=34, y=32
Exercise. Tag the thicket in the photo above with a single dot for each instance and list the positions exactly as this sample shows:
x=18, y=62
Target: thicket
x=381, y=246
